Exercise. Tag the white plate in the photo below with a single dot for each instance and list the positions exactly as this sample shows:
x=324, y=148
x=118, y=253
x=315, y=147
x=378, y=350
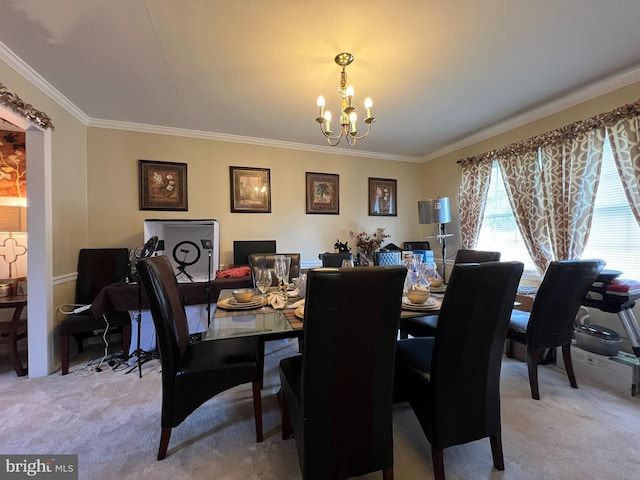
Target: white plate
x=440, y=289
x=430, y=304
x=231, y=304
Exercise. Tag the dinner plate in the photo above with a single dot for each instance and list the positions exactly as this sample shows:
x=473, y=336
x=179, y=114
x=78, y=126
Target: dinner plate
x=232, y=304
x=440, y=289
x=430, y=304
x=300, y=312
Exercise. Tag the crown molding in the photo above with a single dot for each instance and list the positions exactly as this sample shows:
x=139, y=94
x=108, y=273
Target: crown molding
x=582, y=95
x=264, y=142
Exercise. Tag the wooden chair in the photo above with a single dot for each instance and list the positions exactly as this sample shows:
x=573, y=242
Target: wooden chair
x=452, y=380
x=550, y=322
x=337, y=395
x=13, y=331
x=193, y=373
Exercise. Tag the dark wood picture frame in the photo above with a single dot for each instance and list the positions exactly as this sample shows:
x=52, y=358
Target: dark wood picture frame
x=250, y=190
x=323, y=193
x=383, y=197
x=163, y=185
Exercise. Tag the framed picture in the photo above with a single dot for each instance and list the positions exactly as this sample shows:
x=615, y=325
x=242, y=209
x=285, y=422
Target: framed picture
x=163, y=185
x=250, y=190
x=383, y=197
x=323, y=193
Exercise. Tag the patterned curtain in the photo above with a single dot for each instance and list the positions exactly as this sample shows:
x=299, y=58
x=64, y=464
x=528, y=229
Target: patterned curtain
x=472, y=198
x=571, y=173
x=523, y=179
x=625, y=144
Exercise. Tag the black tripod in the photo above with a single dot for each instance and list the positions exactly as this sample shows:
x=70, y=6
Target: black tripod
x=142, y=356
x=208, y=245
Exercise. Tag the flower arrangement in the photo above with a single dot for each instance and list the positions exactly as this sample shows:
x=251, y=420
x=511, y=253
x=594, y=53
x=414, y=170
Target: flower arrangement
x=369, y=243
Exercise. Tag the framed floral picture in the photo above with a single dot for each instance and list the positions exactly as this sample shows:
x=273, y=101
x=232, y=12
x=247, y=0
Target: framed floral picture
x=250, y=190
x=383, y=197
x=163, y=185
x=323, y=193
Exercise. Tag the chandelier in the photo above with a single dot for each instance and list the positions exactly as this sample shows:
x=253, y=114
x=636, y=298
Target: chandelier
x=348, y=115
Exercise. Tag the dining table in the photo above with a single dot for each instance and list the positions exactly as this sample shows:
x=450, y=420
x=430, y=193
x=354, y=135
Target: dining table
x=258, y=318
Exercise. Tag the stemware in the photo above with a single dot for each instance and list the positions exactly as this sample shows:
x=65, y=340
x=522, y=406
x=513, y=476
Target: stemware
x=263, y=281
x=282, y=272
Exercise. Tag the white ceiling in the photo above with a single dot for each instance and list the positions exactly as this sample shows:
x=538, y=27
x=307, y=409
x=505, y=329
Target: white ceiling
x=440, y=72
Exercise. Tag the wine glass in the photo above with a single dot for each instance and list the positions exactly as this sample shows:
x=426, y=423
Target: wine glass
x=282, y=272
x=263, y=281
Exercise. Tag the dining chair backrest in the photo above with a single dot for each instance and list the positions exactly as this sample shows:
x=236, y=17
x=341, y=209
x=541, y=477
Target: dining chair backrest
x=563, y=289
x=411, y=246
x=268, y=260
x=167, y=309
x=467, y=352
x=350, y=326
x=387, y=258
x=476, y=256
x=334, y=259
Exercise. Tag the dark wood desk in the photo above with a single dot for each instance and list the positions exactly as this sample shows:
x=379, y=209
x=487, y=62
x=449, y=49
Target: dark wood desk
x=14, y=330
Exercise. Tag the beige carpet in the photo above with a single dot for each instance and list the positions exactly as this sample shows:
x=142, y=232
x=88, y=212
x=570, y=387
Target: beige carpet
x=112, y=421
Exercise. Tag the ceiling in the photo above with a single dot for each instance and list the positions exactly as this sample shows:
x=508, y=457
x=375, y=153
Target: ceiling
x=440, y=72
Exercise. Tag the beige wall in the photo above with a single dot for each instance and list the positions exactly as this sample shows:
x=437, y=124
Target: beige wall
x=114, y=218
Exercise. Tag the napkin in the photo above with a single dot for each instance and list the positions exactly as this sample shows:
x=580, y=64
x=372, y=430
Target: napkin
x=416, y=286
x=276, y=300
x=297, y=304
x=293, y=293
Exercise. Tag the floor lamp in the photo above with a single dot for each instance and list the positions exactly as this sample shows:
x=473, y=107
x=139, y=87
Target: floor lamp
x=437, y=211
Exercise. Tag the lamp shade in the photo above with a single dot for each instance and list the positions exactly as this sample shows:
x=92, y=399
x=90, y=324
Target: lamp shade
x=435, y=210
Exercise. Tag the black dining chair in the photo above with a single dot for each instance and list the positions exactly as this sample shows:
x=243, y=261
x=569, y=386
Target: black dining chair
x=337, y=395
x=97, y=268
x=193, y=373
x=425, y=326
x=452, y=380
x=550, y=322
x=335, y=259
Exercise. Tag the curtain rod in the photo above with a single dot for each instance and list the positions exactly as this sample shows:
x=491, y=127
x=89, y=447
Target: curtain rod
x=560, y=134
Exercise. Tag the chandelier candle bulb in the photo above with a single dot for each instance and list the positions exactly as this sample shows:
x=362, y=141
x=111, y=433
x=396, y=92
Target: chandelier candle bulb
x=368, y=103
x=327, y=121
x=321, y=106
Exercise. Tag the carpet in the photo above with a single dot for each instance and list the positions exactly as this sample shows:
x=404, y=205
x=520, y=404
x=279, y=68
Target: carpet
x=112, y=421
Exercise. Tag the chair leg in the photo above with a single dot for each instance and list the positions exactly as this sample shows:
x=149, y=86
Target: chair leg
x=164, y=442
x=15, y=359
x=437, y=456
x=257, y=409
x=532, y=364
x=496, y=451
x=261, y=361
x=568, y=365
x=64, y=353
x=126, y=340
x=387, y=473
x=285, y=416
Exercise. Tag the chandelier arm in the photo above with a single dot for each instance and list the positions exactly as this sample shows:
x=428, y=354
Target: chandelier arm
x=329, y=136
x=358, y=137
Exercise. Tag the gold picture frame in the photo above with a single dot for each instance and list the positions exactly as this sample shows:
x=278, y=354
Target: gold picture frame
x=250, y=190
x=163, y=185
x=383, y=197
x=323, y=193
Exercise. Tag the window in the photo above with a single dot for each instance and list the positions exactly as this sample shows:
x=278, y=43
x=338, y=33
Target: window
x=614, y=236
x=499, y=231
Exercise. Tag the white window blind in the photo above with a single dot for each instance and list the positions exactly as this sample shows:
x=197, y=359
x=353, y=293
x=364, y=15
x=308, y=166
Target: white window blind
x=615, y=234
